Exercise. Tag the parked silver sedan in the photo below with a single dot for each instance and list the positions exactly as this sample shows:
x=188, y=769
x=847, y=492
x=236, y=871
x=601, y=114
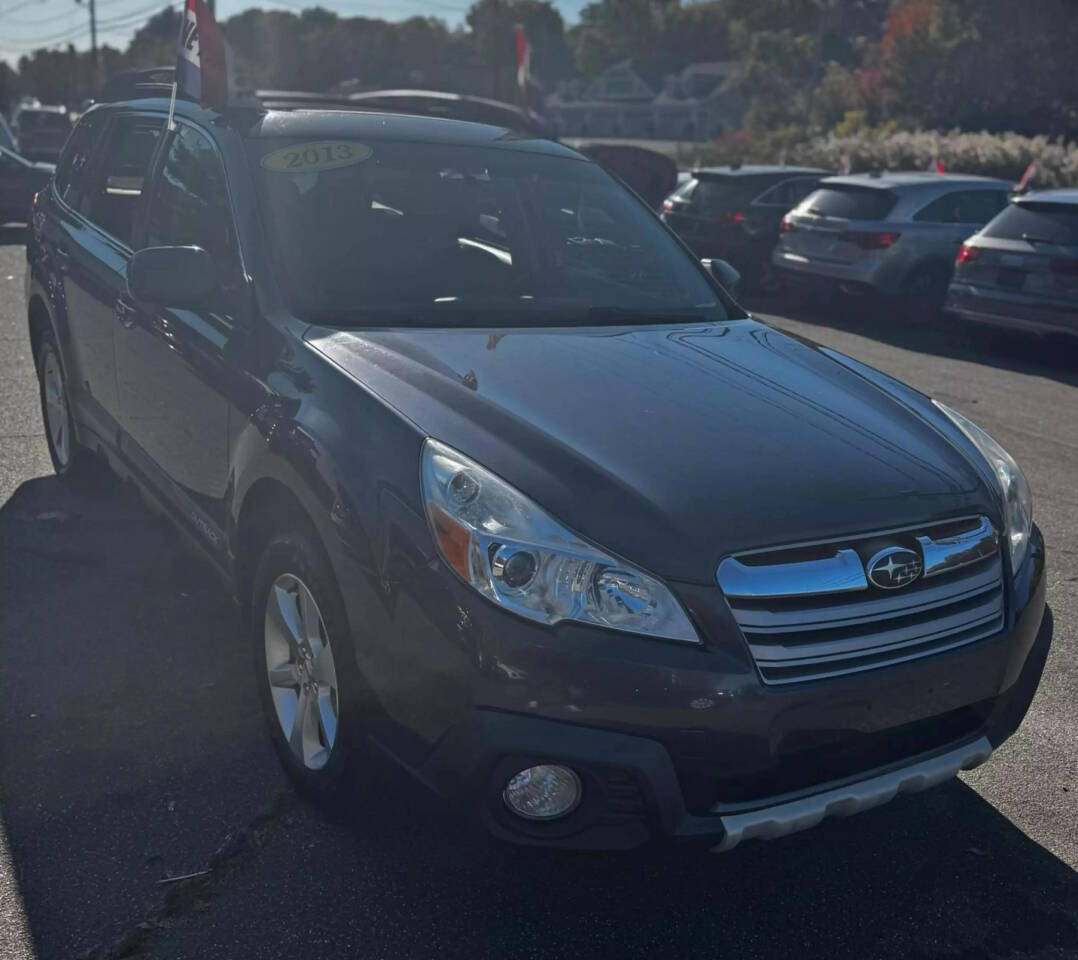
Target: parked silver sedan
x=892, y=233
x=1021, y=270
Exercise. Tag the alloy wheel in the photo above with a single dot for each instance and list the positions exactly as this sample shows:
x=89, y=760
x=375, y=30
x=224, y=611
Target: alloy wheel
x=301, y=672
x=56, y=417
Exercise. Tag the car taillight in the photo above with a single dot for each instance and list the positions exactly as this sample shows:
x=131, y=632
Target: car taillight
x=731, y=216
x=668, y=205
x=787, y=225
x=870, y=239
x=967, y=254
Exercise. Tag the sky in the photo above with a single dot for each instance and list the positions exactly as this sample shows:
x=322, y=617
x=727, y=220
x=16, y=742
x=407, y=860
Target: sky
x=28, y=24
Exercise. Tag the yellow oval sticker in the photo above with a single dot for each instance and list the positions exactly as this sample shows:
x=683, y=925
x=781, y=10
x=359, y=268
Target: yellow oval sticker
x=315, y=156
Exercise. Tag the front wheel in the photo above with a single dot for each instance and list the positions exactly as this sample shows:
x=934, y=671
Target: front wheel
x=306, y=673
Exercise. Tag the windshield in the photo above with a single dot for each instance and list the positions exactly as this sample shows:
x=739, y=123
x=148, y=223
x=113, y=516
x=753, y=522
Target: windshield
x=408, y=233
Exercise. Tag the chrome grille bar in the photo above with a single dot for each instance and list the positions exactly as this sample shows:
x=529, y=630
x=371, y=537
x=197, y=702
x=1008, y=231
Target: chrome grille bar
x=797, y=629
x=951, y=553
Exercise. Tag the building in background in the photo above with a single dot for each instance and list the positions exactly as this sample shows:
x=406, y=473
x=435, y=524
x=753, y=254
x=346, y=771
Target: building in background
x=640, y=99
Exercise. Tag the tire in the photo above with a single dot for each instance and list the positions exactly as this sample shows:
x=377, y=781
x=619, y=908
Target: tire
x=924, y=293
x=293, y=637
x=68, y=457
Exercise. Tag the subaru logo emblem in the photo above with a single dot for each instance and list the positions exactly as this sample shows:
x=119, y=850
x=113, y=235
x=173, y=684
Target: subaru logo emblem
x=894, y=567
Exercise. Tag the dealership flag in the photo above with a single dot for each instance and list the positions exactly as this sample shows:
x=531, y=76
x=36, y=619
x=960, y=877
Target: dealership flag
x=524, y=58
x=1027, y=178
x=203, y=60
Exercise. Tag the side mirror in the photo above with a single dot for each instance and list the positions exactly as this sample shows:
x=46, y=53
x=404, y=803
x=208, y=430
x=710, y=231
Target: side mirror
x=728, y=277
x=181, y=277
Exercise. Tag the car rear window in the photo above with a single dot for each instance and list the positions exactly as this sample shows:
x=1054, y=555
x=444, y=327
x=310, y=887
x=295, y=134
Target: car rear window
x=851, y=203
x=1051, y=222
x=716, y=193
x=45, y=120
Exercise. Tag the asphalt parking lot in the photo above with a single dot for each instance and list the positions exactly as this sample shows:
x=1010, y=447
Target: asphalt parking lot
x=132, y=752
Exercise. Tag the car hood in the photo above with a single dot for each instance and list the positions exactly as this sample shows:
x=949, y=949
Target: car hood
x=672, y=445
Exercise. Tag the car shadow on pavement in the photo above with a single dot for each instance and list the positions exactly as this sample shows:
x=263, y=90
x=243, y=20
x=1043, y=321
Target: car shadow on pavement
x=131, y=738
x=132, y=745
x=948, y=336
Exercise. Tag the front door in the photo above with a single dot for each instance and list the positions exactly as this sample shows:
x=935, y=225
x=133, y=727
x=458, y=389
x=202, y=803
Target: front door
x=173, y=366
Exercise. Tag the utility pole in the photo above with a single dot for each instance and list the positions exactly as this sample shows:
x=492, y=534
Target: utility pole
x=93, y=30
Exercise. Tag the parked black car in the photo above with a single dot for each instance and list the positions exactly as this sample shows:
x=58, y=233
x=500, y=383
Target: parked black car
x=42, y=131
x=1021, y=270
x=510, y=487
x=19, y=181
x=735, y=212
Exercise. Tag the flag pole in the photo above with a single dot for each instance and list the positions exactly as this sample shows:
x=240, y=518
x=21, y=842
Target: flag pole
x=171, y=126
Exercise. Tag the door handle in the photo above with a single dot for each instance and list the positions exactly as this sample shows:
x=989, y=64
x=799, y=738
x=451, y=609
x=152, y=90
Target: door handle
x=63, y=258
x=125, y=313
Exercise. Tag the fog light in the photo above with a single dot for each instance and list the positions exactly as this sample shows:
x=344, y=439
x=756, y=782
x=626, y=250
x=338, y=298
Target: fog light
x=543, y=792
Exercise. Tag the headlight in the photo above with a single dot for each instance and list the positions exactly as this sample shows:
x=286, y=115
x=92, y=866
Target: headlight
x=1017, y=499
x=515, y=554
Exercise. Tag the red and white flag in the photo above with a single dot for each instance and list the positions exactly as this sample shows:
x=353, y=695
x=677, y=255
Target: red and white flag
x=1027, y=178
x=203, y=60
x=524, y=57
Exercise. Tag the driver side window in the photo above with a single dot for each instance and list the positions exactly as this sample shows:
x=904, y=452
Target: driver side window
x=190, y=206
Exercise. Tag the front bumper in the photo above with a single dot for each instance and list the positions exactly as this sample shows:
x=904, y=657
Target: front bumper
x=753, y=762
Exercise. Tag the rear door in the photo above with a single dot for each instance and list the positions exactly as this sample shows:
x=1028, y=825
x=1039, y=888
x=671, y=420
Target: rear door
x=173, y=365
x=943, y=224
x=98, y=186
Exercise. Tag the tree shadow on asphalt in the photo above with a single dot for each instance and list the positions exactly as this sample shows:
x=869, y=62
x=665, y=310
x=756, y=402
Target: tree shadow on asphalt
x=1053, y=357
x=131, y=744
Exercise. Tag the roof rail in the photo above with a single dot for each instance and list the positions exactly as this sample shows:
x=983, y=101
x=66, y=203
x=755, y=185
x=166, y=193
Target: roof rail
x=131, y=84
x=301, y=99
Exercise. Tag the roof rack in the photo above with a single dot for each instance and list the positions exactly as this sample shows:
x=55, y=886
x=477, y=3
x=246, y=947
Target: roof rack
x=131, y=84
x=301, y=99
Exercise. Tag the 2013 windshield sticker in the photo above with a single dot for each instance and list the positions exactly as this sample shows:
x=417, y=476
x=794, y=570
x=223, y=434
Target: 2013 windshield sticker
x=313, y=157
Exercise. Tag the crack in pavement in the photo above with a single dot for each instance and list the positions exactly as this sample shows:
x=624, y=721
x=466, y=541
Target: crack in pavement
x=185, y=895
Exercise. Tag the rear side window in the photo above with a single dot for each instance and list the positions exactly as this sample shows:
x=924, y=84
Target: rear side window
x=113, y=196
x=1049, y=222
x=851, y=203
x=73, y=167
x=964, y=206
x=189, y=205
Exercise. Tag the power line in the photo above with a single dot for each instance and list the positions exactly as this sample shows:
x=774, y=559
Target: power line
x=130, y=19
x=67, y=14
x=19, y=6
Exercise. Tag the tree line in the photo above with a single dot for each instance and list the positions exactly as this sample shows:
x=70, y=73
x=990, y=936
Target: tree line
x=822, y=65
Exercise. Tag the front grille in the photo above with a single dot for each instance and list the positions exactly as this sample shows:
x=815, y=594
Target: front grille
x=809, y=612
